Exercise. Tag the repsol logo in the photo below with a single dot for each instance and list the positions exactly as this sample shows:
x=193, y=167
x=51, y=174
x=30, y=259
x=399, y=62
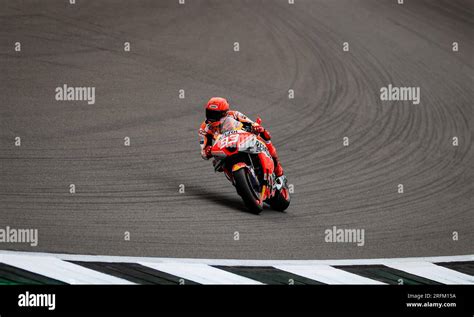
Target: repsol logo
x=262, y=148
x=230, y=132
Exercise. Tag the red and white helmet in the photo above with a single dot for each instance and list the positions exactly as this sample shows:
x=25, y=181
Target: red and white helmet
x=216, y=108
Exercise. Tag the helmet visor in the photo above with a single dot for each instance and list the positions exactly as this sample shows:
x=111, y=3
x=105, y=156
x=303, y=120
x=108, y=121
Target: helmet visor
x=213, y=115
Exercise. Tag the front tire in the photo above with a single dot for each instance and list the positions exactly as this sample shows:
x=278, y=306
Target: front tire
x=244, y=188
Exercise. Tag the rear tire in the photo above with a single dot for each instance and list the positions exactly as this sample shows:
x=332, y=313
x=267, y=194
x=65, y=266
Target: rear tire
x=279, y=202
x=244, y=189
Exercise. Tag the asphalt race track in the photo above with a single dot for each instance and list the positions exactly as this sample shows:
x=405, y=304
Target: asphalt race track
x=135, y=189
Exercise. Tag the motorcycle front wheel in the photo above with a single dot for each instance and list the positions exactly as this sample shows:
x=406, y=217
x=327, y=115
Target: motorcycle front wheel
x=250, y=196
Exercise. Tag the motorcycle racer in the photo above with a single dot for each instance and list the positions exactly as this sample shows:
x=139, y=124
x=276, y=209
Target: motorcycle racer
x=217, y=108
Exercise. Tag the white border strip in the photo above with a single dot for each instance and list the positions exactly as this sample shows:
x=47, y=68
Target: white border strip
x=225, y=262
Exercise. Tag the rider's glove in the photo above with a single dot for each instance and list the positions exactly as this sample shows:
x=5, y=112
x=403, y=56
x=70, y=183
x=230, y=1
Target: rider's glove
x=257, y=129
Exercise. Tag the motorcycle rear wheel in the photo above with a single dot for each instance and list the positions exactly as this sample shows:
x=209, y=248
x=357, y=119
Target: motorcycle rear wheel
x=279, y=202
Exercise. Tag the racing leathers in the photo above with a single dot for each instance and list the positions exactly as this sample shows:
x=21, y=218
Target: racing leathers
x=209, y=130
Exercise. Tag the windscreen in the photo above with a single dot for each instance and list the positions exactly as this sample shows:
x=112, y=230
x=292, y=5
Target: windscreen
x=229, y=124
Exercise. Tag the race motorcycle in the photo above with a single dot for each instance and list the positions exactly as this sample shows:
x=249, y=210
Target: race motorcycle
x=245, y=160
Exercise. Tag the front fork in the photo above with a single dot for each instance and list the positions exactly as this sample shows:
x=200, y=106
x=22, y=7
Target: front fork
x=268, y=181
x=264, y=192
